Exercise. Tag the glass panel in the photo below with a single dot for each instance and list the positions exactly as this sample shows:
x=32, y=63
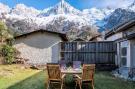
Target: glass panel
x=124, y=51
x=123, y=61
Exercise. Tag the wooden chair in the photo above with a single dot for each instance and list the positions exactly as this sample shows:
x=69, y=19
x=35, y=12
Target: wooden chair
x=54, y=74
x=87, y=75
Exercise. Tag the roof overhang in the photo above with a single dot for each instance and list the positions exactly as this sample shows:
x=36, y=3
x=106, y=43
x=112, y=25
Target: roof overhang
x=120, y=28
x=62, y=35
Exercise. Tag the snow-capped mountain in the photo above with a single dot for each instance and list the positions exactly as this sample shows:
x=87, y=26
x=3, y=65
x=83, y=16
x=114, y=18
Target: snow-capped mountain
x=63, y=17
x=22, y=10
x=118, y=17
x=96, y=15
x=4, y=8
x=132, y=6
x=61, y=8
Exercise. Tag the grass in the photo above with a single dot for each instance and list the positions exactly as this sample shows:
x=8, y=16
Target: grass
x=12, y=74
x=16, y=77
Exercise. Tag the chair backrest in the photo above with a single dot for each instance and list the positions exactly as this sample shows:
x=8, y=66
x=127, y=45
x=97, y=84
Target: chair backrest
x=62, y=63
x=88, y=71
x=54, y=71
x=76, y=64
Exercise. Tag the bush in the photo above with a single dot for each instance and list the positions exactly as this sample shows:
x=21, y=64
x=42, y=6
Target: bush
x=8, y=53
x=10, y=41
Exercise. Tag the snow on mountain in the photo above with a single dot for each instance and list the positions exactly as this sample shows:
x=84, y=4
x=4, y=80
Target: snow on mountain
x=61, y=8
x=132, y=6
x=64, y=17
x=118, y=17
x=65, y=22
x=21, y=9
x=107, y=11
x=94, y=13
x=4, y=8
x=97, y=16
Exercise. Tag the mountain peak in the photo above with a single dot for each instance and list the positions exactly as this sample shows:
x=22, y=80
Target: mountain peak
x=62, y=7
x=63, y=1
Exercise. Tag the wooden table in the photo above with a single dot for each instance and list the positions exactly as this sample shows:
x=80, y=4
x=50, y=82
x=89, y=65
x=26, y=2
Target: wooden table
x=71, y=71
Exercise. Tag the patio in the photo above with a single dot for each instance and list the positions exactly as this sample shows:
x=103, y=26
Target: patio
x=20, y=78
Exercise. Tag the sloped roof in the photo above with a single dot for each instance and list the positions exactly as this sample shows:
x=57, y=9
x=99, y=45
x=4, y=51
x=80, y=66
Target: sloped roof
x=79, y=39
x=121, y=27
x=62, y=35
x=95, y=37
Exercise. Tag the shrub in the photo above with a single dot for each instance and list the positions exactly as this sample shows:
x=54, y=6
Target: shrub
x=5, y=33
x=10, y=41
x=9, y=53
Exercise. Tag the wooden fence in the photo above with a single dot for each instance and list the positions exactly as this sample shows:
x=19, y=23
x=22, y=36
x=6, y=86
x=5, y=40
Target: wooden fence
x=89, y=52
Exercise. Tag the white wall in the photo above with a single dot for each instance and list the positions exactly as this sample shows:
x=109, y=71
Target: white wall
x=39, y=48
x=118, y=58
x=114, y=37
x=133, y=53
x=129, y=55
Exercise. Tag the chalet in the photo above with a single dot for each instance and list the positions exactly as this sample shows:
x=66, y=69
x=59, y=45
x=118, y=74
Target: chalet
x=40, y=46
x=124, y=36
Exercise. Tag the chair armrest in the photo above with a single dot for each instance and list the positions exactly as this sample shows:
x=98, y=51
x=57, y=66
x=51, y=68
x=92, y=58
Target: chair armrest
x=78, y=76
x=63, y=76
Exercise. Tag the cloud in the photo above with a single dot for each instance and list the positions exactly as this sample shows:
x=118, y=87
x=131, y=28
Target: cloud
x=116, y=3
x=106, y=3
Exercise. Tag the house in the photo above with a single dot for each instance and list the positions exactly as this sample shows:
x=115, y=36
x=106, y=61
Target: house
x=78, y=39
x=124, y=36
x=40, y=46
x=97, y=38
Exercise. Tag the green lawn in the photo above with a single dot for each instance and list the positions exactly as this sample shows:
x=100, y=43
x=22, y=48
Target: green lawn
x=16, y=77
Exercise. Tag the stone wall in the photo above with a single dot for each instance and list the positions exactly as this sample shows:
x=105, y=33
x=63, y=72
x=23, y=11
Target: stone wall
x=39, y=48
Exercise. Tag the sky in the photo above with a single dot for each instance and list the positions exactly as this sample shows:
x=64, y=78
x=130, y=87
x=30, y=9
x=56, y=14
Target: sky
x=79, y=4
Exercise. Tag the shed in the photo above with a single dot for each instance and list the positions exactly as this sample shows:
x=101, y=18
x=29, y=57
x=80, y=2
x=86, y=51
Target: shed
x=40, y=46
